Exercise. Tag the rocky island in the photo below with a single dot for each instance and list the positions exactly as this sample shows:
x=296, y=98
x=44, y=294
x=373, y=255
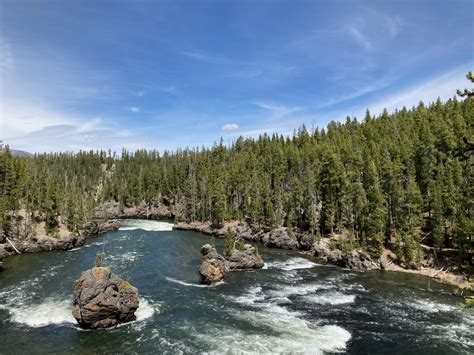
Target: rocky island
x=215, y=266
x=103, y=299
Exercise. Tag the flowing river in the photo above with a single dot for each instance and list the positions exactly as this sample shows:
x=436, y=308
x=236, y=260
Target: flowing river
x=291, y=306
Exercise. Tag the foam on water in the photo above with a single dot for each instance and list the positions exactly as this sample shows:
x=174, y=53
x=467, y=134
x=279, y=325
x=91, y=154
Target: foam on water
x=54, y=310
x=333, y=298
x=146, y=309
x=253, y=295
x=291, y=264
x=51, y=311
x=286, y=331
x=298, y=289
x=147, y=225
x=184, y=283
x=431, y=307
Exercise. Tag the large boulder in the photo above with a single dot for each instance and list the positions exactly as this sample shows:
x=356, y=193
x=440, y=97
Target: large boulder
x=214, y=266
x=279, y=238
x=103, y=300
x=247, y=258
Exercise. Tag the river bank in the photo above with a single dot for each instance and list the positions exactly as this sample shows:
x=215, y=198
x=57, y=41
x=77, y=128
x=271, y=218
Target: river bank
x=322, y=252
x=64, y=240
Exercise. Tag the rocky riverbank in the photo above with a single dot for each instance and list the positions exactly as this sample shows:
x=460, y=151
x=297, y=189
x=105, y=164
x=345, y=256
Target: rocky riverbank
x=64, y=240
x=323, y=250
x=34, y=238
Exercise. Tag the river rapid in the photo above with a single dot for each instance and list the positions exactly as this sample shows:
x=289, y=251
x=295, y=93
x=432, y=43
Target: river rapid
x=293, y=305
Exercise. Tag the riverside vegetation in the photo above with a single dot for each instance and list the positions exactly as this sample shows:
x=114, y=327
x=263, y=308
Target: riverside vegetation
x=399, y=183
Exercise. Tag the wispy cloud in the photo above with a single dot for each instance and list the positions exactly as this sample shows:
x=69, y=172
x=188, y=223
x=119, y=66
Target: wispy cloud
x=6, y=58
x=361, y=38
x=230, y=126
x=19, y=117
x=372, y=28
x=357, y=91
x=443, y=86
x=133, y=109
x=37, y=128
x=204, y=57
x=278, y=109
x=171, y=89
x=284, y=127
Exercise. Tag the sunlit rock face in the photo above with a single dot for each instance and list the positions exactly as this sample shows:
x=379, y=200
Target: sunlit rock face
x=103, y=300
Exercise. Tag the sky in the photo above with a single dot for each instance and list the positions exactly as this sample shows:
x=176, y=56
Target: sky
x=166, y=74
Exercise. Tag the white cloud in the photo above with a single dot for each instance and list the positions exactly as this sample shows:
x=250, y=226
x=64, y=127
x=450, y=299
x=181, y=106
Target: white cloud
x=37, y=128
x=134, y=109
x=230, y=127
x=18, y=117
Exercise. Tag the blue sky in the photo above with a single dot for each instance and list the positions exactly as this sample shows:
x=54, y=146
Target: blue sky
x=167, y=74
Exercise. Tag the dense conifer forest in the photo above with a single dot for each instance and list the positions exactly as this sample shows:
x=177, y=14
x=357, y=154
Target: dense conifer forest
x=402, y=179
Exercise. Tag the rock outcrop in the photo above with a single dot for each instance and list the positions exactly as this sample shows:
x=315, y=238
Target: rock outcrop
x=103, y=300
x=215, y=266
x=356, y=259
x=247, y=258
x=94, y=228
x=40, y=241
x=279, y=238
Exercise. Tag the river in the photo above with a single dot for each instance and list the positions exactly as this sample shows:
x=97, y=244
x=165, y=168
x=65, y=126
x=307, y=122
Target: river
x=293, y=305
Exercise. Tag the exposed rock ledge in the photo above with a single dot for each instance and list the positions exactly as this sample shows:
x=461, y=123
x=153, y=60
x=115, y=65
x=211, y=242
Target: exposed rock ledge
x=215, y=266
x=64, y=241
x=322, y=251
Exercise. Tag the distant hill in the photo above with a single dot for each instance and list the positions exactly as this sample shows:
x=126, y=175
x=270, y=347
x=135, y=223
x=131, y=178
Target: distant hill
x=16, y=152
x=21, y=153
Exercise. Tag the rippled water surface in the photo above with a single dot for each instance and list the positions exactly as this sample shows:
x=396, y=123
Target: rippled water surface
x=293, y=305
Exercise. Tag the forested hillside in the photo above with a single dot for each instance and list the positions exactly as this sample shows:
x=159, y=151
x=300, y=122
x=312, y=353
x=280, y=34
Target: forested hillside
x=398, y=179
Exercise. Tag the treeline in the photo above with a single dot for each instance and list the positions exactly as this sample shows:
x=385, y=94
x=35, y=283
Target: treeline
x=397, y=179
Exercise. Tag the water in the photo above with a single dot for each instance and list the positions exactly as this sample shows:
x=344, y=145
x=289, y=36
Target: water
x=292, y=305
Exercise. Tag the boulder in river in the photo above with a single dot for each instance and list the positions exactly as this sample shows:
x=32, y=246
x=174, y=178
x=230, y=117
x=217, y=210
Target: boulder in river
x=103, y=300
x=246, y=258
x=214, y=266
